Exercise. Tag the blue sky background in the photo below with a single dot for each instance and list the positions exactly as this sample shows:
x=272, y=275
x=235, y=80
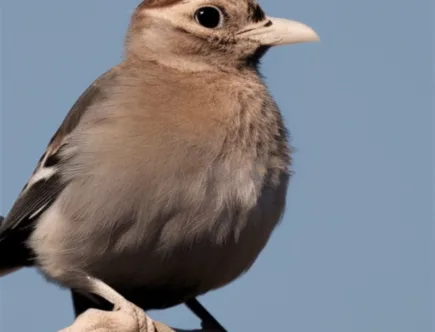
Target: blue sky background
x=354, y=253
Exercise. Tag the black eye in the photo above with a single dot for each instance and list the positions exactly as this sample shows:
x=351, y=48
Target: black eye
x=209, y=17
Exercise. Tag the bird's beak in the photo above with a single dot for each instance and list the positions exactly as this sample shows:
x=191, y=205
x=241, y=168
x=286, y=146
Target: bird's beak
x=278, y=31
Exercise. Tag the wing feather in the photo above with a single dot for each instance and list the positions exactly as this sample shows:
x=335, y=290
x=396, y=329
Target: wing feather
x=46, y=183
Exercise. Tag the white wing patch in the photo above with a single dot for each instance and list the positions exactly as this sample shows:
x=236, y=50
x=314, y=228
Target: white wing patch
x=41, y=174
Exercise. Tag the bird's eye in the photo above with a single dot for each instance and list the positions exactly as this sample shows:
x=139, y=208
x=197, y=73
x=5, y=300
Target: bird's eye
x=209, y=17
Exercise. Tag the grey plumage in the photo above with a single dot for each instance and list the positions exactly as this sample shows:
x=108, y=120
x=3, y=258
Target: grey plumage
x=170, y=172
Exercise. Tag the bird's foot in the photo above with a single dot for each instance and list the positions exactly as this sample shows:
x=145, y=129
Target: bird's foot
x=144, y=323
x=125, y=317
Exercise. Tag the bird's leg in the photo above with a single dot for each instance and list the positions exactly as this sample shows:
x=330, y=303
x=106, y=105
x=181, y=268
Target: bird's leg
x=100, y=288
x=207, y=320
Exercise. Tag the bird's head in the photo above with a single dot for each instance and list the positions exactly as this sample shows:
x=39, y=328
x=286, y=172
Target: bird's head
x=196, y=35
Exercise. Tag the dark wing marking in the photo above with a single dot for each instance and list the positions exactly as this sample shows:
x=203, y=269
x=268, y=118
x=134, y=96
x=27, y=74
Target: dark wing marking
x=33, y=202
x=46, y=183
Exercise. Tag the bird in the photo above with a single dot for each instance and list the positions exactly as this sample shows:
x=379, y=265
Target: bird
x=169, y=174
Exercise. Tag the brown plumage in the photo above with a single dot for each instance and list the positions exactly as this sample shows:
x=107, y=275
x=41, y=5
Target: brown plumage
x=170, y=172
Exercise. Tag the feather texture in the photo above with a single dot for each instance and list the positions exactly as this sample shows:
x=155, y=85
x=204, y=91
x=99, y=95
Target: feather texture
x=169, y=174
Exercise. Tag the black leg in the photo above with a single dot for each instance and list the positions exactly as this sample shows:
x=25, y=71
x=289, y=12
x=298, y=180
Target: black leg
x=207, y=320
x=82, y=303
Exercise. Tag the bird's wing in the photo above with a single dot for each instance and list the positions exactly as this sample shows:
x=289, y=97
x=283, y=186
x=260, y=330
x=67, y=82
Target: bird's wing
x=45, y=184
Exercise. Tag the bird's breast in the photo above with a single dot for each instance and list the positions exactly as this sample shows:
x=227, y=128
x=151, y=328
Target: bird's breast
x=164, y=195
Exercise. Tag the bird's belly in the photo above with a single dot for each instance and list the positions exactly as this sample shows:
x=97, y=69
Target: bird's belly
x=202, y=242
x=202, y=246
x=196, y=266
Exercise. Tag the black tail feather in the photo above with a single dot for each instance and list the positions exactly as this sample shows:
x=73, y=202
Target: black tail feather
x=13, y=251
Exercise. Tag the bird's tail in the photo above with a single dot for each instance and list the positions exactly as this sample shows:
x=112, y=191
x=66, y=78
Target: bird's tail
x=5, y=256
x=6, y=271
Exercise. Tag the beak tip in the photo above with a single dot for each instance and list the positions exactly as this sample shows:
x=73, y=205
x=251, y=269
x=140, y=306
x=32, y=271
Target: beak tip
x=294, y=32
x=310, y=34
